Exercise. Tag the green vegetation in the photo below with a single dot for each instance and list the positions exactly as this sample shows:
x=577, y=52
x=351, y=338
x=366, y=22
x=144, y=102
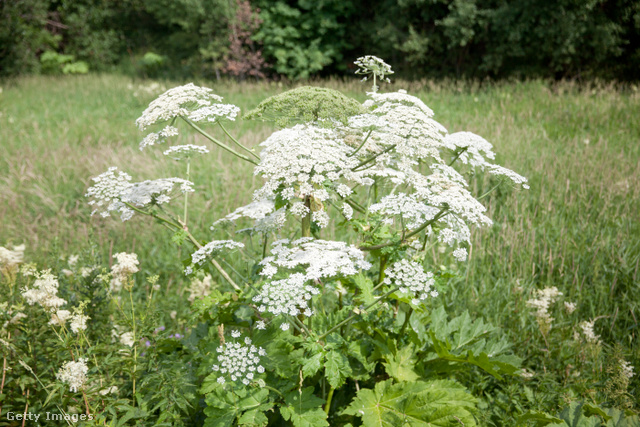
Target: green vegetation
x=576, y=229
x=298, y=39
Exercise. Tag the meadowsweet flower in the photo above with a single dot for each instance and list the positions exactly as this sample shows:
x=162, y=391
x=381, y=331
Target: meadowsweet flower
x=60, y=317
x=238, y=362
x=287, y=296
x=179, y=152
x=74, y=374
x=200, y=288
x=78, y=322
x=627, y=369
x=11, y=257
x=546, y=297
x=570, y=307
x=319, y=258
x=44, y=292
x=213, y=248
x=412, y=280
x=127, y=339
x=589, y=334
x=126, y=265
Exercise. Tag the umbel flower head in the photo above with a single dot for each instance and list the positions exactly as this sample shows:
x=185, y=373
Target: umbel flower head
x=113, y=190
x=412, y=280
x=239, y=362
x=191, y=102
x=287, y=296
x=370, y=65
x=74, y=374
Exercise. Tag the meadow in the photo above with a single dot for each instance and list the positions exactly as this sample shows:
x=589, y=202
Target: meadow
x=577, y=228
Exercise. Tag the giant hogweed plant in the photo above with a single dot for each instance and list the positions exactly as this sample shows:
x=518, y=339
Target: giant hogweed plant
x=305, y=329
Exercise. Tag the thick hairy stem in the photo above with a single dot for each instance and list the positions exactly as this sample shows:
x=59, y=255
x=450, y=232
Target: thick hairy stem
x=406, y=322
x=348, y=319
x=218, y=143
x=327, y=405
x=439, y=215
x=237, y=142
x=306, y=220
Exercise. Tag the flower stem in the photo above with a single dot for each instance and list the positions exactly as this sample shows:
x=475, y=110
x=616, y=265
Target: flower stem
x=238, y=143
x=348, y=319
x=372, y=158
x=361, y=145
x=218, y=143
x=327, y=405
x=306, y=220
x=186, y=194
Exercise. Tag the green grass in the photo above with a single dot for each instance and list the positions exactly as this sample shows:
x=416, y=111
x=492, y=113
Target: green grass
x=577, y=228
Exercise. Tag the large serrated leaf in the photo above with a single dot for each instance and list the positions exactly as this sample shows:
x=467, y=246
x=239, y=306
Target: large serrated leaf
x=304, y=409
x=401, y=364
x=223, y=407
x=420, y=404
x=337, y=368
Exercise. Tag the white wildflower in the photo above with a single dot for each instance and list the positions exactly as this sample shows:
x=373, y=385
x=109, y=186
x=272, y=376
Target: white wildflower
x=179, y=152
x=299, y=209
x=284, y=326
x=287, y=296
x=412, y=280
x=60, y=317
x=74, y=374
x=570, y=307
x=78, y=322
x=127, y=339
x=213, y=248
x=321, y=218
x=126, y=265
x=320, y=258
x=347, y=211
x=374, y=66
x=200, y=288
x=260, y=325
x=238, y=362
x=546, y=297
x=589, y=334
x=460, y=254
x=44, y=292
x=627, y=369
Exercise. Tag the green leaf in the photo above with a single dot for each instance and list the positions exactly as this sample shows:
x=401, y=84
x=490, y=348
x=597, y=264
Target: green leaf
x=540, y=419
x=225, y=406
x=337, y=368
x=312, y=364
x=304, y=409
x=365, y=285
x=435, y=403
x=400, y=365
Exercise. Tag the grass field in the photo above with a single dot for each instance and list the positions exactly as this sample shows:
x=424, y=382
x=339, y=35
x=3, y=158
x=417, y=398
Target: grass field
x=577, y=228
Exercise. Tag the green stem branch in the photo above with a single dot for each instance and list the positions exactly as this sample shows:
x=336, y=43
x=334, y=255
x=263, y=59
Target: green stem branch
x=218, y=143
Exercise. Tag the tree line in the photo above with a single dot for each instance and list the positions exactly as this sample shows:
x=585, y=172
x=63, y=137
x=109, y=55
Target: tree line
x=298, y=39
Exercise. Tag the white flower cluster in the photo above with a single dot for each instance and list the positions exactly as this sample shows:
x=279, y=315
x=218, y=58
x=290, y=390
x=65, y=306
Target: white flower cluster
x=546, y=297
x=151, y=89
x=11, y=257
x=179, y=152
x=126, y=265
x=200, y=288
x=262, y=211
x=627, y=369
x=126, y=339
x=407, y=208
x=570, y=307
x=587, y=330
x=239, y=362
x=373, y=65
x=44, y=292
x=475, y=150
x=287, y=296
x=112, y=189
x=460, y=254
x=210, y=249
x=412, y=280
x=60, y=317
x=189, y=101
x=78, y=322
x=321, y=258
x=74, y=374
x=306, y=161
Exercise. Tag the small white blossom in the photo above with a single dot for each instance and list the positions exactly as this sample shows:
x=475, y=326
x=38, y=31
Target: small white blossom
x=284, y=326
x=78, y=322
x=321, y=218
x=200, y=288
x=60, y=317
x=589, y=334
x=570, y=307
x=412, y=280
x=213, y=248
x=287, y=296
x=127, y=339
x=320, y=258
x=126, y=265
x=627, y=369
x=460, y=254
x=74, y=374
x=546, y=297
x=44, y=292
x=347, y=211
x=179, y=152
x=239, y=362
x=260, y=325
